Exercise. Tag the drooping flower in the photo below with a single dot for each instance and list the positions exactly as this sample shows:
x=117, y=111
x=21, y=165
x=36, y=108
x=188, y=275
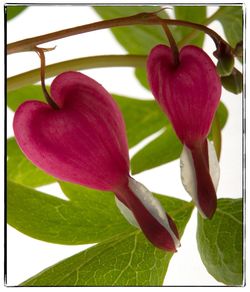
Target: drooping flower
x=84, y=142
x=189, y=94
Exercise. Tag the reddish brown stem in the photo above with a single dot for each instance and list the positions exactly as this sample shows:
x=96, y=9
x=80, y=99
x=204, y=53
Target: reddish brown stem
x=141, y=18
x=172, y=43
x=50, y=101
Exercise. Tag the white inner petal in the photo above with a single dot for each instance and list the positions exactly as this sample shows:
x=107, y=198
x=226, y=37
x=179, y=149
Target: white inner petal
x=188, y=176
x=214, y=167
x=153, y=206
x=126, y=213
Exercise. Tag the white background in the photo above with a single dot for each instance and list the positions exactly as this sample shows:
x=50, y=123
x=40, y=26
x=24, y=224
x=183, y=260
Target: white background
x=27, y=256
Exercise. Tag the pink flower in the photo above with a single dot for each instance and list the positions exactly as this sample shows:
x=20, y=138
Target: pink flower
x=189, y=94
x=84, y=142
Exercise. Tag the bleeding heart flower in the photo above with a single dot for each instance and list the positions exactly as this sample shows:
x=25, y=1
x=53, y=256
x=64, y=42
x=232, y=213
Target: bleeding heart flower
x=84, y=142
x=189, y=94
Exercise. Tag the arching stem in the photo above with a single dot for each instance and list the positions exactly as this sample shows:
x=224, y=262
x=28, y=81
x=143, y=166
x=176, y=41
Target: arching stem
x=141, y=18
x=103, y=61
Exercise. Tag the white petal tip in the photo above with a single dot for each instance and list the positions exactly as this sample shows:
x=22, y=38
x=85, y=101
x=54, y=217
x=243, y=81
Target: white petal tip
x=127, y=214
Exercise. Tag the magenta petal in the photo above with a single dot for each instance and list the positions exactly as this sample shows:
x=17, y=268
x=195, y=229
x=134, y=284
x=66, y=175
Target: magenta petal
x=83, y=142
x=189, y=93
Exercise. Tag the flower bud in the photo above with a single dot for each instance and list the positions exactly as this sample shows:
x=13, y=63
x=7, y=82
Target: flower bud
x=225, y=65
x=225, y=58
x=238, y=50
x=233, y=82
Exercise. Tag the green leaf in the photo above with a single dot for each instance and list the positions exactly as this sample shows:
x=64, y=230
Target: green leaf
x=136, y=39
x=141, y=75
x=142, y=117
x=216, y=136
x=21, y=170
x=13, y=11
x=19, y=96
x=231, y=18
x=220, y=242
x=166, y=147
x=195, y=14
x=222, y=114
x=163, y=149
x=89, y=216
x=51, y=219
x=127, y=259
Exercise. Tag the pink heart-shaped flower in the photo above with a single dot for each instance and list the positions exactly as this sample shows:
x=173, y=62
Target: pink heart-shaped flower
x=84, y=142
x=189, y=94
